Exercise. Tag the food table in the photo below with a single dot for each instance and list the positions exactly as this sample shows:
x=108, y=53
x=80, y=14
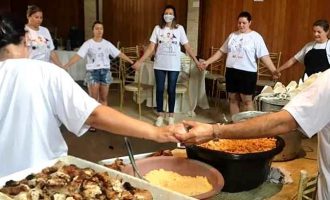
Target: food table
x=197, y=92
x=77, y=70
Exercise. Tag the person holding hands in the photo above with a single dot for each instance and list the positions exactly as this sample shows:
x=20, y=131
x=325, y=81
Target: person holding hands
x=243, y=48
x=39, y=40
x=166, y=39
x=98, y=75
x=314, y=55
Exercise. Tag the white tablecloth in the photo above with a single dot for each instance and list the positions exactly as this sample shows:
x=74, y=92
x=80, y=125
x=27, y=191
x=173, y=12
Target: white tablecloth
x=196, y=89
x=78, y=70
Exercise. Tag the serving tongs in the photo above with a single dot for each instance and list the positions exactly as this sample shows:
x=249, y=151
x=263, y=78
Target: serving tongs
x=132, y=159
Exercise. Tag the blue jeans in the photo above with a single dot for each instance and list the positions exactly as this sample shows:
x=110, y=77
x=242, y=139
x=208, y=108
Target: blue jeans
x=172, y=77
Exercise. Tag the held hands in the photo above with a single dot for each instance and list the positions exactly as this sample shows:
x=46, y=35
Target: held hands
x=202, y=65
x=276, y=74
x=198, y=132
x=137, y=65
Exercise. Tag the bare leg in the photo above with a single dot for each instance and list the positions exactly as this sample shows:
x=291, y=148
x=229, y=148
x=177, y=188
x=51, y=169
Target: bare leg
x=93, y=90
x=234, y=100
x=103, y=96
x=247, y=102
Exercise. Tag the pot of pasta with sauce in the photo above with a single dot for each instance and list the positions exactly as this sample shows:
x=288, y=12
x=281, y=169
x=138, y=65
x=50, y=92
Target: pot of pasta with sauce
x=244, y=164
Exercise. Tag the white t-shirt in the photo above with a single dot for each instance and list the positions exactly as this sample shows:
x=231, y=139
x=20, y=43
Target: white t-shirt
x=40, y=43
x=311, y=110
x=243, y=49
x=168, y=51
x=301, y=54
x=98, y=53
x=35, y=98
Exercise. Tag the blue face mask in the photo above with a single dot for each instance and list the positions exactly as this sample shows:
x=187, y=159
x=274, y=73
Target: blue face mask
x=168, y=18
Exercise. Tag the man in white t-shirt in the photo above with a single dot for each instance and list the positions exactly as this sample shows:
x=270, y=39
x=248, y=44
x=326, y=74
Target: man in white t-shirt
x=308, y=111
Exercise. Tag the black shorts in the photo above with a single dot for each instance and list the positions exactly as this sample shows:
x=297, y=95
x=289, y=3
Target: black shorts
x=239, y=81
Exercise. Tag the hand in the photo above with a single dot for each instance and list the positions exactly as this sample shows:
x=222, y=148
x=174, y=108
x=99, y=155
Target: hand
x=167, y=133
x=199, y=65
x=198, y=133
x=276, y=74
x=137, y=65
x=204, y=64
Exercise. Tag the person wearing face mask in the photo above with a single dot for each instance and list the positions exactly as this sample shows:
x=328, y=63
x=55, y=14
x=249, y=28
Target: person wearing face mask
x=166, y=39
x=314, y=55
x=243, y=48
x=39, y=40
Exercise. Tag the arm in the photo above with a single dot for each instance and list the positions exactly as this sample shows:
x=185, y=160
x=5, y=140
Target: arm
x=191, y=53
x=150, y=49
x=123, y=56
x=269, y=64
x=264, y=126
x=54, y=58
x=72, y=61
x=288, y=64
x=212, y=59
x=110, y=120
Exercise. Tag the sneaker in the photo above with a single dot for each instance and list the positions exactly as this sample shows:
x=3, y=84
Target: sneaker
x=170, y=120
x=159, y=121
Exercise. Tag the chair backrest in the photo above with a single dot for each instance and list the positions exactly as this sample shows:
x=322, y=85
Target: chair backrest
x=185, y=71
x=219, y=66
x=263, y=71
x=128, y=73
x=115, y=65
x=307, y=186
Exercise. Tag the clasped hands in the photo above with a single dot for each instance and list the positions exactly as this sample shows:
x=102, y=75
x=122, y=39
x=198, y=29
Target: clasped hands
x=192, y=132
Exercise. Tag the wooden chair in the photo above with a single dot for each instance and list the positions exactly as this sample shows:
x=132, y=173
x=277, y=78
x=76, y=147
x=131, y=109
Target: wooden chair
x=216, y=70
x=131, y=78
x=265, y=77
x=307, y=186
x=116, y=71
x=182, y=86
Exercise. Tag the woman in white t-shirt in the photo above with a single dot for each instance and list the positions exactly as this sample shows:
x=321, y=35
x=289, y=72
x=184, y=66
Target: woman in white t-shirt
x=98, y=75
x=243, y=48
x=166, y=38
x=314, y=55
x=39, y=40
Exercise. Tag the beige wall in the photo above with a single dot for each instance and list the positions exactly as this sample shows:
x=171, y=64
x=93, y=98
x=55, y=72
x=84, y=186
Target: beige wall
x=192, y=23
x=90, y=17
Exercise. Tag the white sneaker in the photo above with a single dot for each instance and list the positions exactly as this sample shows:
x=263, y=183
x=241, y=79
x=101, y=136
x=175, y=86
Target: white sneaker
x=159, y=121
x=170, y=120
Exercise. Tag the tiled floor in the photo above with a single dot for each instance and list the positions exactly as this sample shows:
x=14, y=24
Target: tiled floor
x=101, y=145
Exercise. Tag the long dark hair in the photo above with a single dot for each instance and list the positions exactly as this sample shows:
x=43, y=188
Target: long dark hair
x=11, y=31
x=162, y=23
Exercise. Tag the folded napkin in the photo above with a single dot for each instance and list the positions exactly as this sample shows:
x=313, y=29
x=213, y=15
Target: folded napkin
x=279, y=176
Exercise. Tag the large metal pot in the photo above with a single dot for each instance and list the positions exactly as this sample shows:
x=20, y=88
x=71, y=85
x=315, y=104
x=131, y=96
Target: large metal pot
x=292, y=139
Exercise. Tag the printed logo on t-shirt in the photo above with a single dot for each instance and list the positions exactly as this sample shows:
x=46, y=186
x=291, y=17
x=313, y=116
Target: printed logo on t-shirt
x=236, y=48
x=166, y=44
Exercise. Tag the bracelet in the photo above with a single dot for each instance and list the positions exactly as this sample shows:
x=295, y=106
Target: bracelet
x=214, y=135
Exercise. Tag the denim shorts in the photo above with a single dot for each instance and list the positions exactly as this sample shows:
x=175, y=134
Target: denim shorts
x=98, y=76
